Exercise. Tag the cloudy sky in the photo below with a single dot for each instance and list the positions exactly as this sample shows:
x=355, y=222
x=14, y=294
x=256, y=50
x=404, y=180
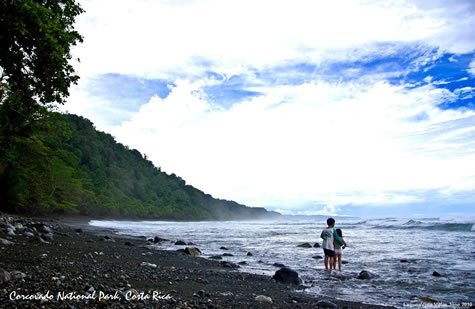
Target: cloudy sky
x=313, y=107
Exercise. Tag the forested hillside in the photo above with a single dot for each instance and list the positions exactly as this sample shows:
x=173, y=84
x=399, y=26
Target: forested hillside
x=68, y=167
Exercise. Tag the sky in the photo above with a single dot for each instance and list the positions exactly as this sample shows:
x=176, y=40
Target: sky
x=361, y=108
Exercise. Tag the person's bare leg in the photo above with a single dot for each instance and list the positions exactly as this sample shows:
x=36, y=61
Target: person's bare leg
x=326, y=262
x=339, y=262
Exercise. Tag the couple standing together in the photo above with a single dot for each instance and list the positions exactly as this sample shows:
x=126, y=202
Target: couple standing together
x=333, y=244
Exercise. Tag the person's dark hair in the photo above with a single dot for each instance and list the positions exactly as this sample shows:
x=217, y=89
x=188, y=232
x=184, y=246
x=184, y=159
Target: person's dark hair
x=330, y=221
x=339, y=232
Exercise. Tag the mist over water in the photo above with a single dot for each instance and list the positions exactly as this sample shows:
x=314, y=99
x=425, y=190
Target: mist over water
x=377, y=245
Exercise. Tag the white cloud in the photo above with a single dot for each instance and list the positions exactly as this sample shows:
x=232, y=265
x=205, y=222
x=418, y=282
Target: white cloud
x=154, y=38
x=331, y=143
x=471, y=68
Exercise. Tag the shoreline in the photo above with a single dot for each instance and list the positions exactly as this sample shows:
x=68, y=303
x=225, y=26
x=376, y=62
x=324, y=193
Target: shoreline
x=81, y=266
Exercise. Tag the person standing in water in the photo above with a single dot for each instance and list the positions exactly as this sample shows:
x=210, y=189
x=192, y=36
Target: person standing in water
x=329, y=235
x=338, y=250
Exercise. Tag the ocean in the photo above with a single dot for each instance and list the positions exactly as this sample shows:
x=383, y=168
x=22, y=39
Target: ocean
x=429, y=245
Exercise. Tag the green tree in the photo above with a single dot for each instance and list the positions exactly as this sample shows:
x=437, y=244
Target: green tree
x=36, y=37
x=35, y=43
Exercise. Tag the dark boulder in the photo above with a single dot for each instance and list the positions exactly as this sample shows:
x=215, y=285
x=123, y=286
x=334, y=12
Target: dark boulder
x=227, y=254
x=78, y=230
x=159, y=239
x=5, y=242
x=42, y=228
x=224, y=248
x=180, y=243
x=47, y=237
x=436, y=274
x=192, y=251
x=216, y=257
x=287, y=276
x=317, y=257
x=305, y=245
x=228, y=264
x=4, y=276
x=249, y=254
x=316, y=245
x=365, y=275
x=404, y=261
x=280, y=265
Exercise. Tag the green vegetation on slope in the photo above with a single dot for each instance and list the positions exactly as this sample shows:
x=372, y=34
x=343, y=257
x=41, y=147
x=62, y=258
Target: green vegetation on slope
x=69, y=167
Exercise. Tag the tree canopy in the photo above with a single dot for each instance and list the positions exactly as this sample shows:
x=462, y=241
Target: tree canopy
x=35, y=60
x=84, y=171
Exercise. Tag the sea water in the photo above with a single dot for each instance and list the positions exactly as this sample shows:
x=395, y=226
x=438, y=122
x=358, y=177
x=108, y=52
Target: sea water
x=446, y=246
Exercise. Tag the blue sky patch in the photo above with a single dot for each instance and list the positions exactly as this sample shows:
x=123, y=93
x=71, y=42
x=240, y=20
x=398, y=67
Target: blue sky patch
x=229, y=91
x=125, y=92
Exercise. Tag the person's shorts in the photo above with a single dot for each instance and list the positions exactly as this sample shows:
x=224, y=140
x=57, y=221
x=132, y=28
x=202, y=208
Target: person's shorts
x=338, y=251
x=328, y=252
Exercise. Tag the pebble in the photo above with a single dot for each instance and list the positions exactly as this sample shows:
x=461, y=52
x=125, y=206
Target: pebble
x=148, y=264
x=263, y=299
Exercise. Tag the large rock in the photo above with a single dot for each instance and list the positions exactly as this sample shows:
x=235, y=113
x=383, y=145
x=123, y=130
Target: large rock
x=192, y=251
x=228, y=264
x=19, y=227
x=47, y=237
x=180, y=243
x=5, y=242
x=316, y=245
x=365, y=275
x=286, y=275
x=4, y=276
x=29, y=234
x=42, y=228
x=17, y=274
x=159, y=239
x=305, y=245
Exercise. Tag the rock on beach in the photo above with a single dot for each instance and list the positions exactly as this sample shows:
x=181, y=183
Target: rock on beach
x=287, y=275
x=365, y=275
